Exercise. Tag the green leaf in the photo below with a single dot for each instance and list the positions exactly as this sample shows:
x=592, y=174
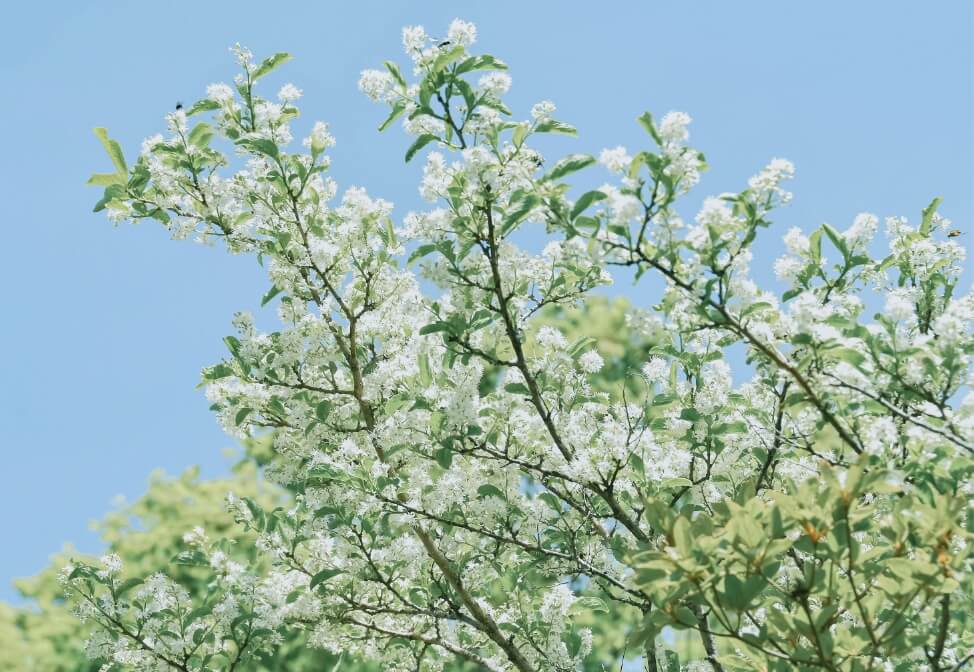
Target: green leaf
x=271, y=293
x=815, y=245
x=646, y=121
x=106, y=179
x=736, y=427
x=421, y=252
x=397, y=111
x=260, y=146
x=517, y=388
x=322, y=576
x=205, y=105
x=114, y=150
x=126, y=586
x=434, y=327
x=216, y=372
x=585, y=200
x=590, y=603
x=663, y=399
x=739, y=594
x=396, y=73
x=193, y=558
x=520, y=211
x=482, y=62
x=469, y=97
x=322, y=409
x=421, y=142
x=269, y=64
x=425, y=372
x=682, y=538
x=201, y=135
x=446, y=58
x=837, y=240
x=553, y=126
x=444, y=457
x=112, y=192
x=569, y=165
x=241, y=415
x=488, y=490
x=928, y=213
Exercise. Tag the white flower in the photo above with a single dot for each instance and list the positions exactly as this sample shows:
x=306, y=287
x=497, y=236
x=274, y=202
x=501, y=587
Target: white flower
x=195, y=537
x=591, y=362
x=112, y=564
x=556, y=603
x=289, y=93
x=796, y=242
x=376, y=84
x=863, y=229
x=550, y=337
x=673, y=127
x=787, y=268
x=320, y=138
x=242, y=54
x=221, y=93
x=766, y=184
x=656, y=369
x=150, y=143
x=716, y=215
x=900, y=305
x=414, y=40
x=615, y=159
x=542, y=111
x=495, y=83
x=880, y=435
x=462, y=32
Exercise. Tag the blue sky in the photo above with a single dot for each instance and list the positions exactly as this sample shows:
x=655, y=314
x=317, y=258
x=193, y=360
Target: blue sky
x=105, y=329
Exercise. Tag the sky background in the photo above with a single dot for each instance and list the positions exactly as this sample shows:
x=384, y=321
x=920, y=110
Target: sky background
x=104, y=330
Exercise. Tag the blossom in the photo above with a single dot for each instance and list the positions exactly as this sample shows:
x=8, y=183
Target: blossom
x=221, y=93
x=796, y=242
x=242, y=54
x=462, y=32
x=495, y=83
x=655, y=369
x=673, y=127
x=426, y=415
x=862, y=230
x=320, y=138
x=542, y=111
x=111, y=565
x=591, y=362
x=766, y=184
x=376, y=84
x=787, y=268
x=414, y=40
x=289, y=93
x=616, y=159
x=899, y=305
x=551, y=337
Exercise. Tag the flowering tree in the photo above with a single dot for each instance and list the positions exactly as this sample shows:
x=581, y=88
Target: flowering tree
x=42, y=635
x=465, y=493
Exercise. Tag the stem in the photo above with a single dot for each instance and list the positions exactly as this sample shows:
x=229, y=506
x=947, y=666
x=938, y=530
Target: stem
x=490, y=626
x=709, y=644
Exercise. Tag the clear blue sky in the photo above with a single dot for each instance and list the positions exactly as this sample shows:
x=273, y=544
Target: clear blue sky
x=105, y=330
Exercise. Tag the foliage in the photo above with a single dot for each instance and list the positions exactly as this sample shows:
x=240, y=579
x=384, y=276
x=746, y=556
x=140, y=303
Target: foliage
x=815, y=517
x=44, y=635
